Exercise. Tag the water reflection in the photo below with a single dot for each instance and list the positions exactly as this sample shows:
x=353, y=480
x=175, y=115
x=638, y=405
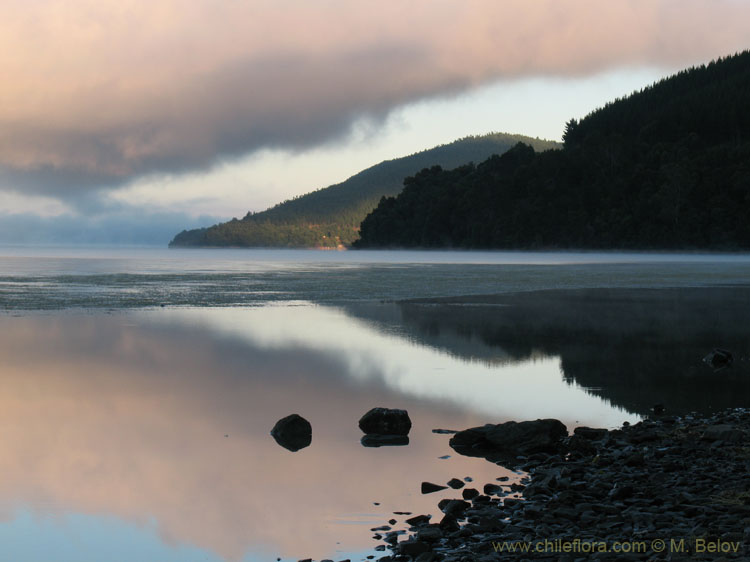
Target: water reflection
x=634, y=347
x=391, y=355
x=161, y=422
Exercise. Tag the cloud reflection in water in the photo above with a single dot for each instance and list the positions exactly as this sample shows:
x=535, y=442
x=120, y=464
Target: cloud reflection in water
x=125, y=416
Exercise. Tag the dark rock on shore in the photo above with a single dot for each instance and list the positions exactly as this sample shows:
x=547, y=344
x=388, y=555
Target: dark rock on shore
x=510, y=439
x=385, y=421
x=680, y=480
x=292, y=432
x=592, y=434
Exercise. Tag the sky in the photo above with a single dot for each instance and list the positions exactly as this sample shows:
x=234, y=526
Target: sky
x=128, y=121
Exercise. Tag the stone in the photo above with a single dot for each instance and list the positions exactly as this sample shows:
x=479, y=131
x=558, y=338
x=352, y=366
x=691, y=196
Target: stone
x=385, y=421
x=591, y=433
x=492, y=489
x=470, y=493
x=429, y=487
x=455, y=507
x=430, y=534
x=449, y=524
x=413, y=547
x=510, y=439
x=636, y=459
x=292, y=432
x=622, y=492
x=722, y=432
x=418, y=520
x=581, y=445
x=455, y=483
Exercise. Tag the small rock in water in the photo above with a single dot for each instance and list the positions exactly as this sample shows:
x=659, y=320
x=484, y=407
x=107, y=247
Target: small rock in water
x=445, y=431
x=455, y=483
x=429, y=487
x=292, y=432
x=385, y=421
x=492, y=489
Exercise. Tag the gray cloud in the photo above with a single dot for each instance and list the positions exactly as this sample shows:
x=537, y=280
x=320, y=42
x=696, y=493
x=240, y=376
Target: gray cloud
x=97, y=97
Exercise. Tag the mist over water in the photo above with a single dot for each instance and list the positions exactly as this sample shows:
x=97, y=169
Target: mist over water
x=140, y=385
x=61, y=278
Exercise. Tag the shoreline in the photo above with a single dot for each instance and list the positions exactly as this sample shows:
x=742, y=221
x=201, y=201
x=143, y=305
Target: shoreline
x=665, y=488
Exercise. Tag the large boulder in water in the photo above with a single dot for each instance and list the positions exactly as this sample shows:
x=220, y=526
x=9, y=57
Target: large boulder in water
x=385, y=421
x=292, y=432
x=511, y=439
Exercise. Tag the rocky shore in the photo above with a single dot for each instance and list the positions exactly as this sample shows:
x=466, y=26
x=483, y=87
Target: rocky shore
x=667, y=488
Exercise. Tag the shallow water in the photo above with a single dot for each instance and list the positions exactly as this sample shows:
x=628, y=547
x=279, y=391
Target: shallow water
x=132, y=430
x=60, y=278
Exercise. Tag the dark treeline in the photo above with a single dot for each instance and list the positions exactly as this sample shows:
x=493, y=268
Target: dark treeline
x=331, y=216
x=667, y=167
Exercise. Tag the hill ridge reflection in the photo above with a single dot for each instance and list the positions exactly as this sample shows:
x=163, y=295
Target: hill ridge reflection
x=632, y=347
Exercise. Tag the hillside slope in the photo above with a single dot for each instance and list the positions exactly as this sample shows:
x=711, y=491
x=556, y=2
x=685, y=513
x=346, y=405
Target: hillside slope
x=665, y=168
x=331, y=216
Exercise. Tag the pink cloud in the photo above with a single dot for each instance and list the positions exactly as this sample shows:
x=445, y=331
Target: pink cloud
x=97, y=93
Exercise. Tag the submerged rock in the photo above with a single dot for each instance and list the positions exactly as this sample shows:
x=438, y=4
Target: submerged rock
x=510, y=439
x=292, y=432
x=385, y=421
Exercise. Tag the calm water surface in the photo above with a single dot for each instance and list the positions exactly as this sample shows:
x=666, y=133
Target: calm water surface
x=139, y=385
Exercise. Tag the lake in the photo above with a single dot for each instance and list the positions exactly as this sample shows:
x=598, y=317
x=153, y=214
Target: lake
x=140, y=384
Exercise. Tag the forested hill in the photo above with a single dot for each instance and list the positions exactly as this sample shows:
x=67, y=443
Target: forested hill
x=667, y=167
x=331, y=216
